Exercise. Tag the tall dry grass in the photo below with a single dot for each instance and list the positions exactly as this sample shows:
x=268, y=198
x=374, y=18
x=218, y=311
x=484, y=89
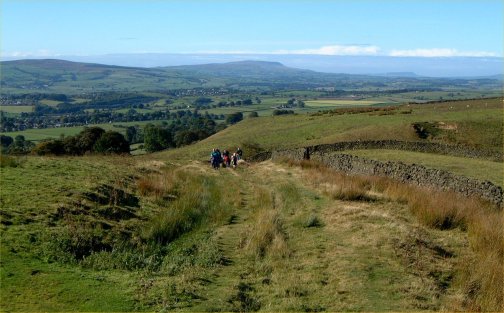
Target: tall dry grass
x=267, y=236
x=481, y=274
x=193, y=199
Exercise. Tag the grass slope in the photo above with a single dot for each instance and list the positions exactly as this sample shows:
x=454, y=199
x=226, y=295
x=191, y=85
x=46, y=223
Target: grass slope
x=478, y=122
x=274, y=242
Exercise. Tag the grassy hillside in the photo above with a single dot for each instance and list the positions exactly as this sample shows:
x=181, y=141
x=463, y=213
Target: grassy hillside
x=165, y=232
x=476, y=123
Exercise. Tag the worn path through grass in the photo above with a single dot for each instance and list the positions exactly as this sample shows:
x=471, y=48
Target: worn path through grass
x=335, y=255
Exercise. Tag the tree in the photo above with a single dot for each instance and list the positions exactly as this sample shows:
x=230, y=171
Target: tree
x=156, y=138
x=234, y=118
x=202, y=101
x=253, y=114
x=20, y=145
x=88, y=137
x=185, y=137
x=131, y=134
x=6, y=141
x=112, y=142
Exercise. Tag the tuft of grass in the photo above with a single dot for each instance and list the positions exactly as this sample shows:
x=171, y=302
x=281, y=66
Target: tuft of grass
x=313, y=221
x=200, y=199
x=337, y=185
x=8, y=161
x=268, y=236
x=481, y=272
x=160, y=186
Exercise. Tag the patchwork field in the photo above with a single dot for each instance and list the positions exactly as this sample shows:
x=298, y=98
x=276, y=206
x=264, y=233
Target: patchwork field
x=340, y=103
x=17, y=109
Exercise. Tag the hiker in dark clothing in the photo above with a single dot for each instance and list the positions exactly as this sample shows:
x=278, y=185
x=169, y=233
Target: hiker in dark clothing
x=239, y=152
x=234, y=160
x=216, y=158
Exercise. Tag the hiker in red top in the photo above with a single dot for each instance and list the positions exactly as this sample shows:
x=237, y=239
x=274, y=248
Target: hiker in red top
x=227, y=159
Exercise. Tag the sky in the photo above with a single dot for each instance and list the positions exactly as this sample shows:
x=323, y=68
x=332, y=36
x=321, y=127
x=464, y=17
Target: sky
x=440, y=28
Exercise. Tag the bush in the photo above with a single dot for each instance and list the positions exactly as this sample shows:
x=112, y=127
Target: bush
x=88, y=137
x=282, y=112
x=53, y=147
x=112, y=142
x=234, y=118
x=251, y=148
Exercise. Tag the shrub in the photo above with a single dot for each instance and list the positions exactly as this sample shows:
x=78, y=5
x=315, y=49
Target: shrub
x=88, y=137
x=234, y=118
x=282, y=112
x=52, y=147
x=111, y=142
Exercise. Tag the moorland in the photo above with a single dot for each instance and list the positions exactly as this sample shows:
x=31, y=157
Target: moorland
x=158, y=229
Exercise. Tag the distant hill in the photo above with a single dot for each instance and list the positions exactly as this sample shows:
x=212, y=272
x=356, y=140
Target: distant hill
x=59, y=76
x=363, y=65
x=401, y=74
x=242, y=69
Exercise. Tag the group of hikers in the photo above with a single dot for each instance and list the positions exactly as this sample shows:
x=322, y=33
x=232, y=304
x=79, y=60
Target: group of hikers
x=225, y=158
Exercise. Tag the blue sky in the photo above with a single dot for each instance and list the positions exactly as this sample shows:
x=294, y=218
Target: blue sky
x=397, y=28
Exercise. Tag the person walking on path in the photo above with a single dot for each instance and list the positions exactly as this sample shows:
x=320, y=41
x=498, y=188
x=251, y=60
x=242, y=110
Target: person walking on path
x=234, y=160
x=215, y=158
x=239, y=152
x=226, y=157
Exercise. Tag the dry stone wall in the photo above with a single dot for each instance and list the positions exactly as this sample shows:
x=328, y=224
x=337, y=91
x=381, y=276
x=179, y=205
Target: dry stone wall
x=417, y=146
x=407, y=173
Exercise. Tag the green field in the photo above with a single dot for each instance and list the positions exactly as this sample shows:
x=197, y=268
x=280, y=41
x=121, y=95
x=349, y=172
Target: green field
x=16, y=109
x=53, y=133
x=51, y=103
x=339, y=103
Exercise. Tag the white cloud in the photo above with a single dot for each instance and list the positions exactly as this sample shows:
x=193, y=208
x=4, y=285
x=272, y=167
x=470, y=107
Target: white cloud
x=324, y=50
x=335, y=50
x=440, y=52
x=27, y=54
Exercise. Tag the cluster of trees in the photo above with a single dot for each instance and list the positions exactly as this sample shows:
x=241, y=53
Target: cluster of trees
x=234, y=118
x=293, y=102
x=30, y=99
x=206, y=103
x=187, y=131
x=282, y=112
x=16, y=145
x=90, y=140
